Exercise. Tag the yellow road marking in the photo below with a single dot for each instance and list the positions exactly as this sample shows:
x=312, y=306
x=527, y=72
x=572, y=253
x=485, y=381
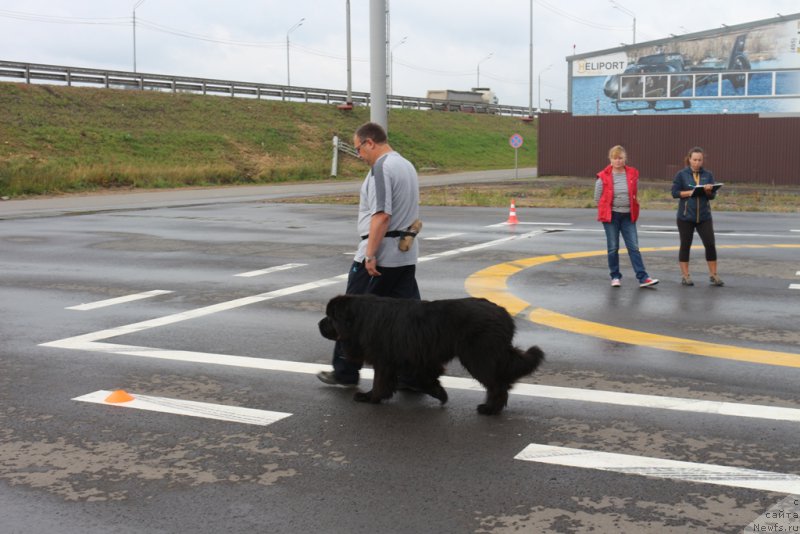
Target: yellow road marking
x=492, y=283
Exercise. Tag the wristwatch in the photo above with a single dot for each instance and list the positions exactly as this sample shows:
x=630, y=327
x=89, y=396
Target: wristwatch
x=369, y=258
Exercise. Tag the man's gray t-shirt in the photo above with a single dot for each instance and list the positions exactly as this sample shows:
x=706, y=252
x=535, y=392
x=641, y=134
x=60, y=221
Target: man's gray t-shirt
x=392, y=187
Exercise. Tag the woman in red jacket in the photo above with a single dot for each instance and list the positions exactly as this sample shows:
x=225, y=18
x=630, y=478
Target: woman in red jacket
x=618, y=208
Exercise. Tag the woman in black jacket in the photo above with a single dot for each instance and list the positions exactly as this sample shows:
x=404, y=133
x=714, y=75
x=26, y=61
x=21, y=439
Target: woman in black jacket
x=694, y=213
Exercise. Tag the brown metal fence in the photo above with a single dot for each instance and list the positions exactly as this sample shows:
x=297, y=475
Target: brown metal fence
x=739, y=148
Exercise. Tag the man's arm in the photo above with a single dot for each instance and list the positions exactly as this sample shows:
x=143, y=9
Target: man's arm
x=378, y=226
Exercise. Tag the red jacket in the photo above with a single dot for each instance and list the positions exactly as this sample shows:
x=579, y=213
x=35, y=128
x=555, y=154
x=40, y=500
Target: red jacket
x=607, y=196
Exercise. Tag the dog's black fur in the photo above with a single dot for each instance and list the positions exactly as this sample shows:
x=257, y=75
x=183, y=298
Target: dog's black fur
x=417, y=338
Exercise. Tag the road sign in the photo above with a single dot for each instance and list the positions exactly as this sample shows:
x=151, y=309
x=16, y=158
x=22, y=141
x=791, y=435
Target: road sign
x=515, y=140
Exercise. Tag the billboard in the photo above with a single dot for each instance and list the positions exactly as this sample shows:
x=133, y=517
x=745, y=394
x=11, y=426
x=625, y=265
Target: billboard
x=757, y=63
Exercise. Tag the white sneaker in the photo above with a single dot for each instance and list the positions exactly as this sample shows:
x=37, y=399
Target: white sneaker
x=616, y=282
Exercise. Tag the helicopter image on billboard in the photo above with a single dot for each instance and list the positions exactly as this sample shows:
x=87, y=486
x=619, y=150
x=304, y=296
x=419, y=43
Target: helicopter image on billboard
x=640, y=82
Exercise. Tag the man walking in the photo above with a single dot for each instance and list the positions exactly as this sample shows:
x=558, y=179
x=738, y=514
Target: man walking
x=389, y=205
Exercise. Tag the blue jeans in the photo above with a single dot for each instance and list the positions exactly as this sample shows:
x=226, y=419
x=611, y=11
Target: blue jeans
x=398, y=282
x=622, y=223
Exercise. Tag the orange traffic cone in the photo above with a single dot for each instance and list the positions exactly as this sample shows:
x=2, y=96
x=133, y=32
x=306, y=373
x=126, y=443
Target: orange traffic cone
x=119, y=396
x=512, y=214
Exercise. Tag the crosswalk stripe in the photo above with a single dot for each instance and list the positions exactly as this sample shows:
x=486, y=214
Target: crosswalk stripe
x=219, y=412
x=118, y=300
x=270, y=270
x=660, y=468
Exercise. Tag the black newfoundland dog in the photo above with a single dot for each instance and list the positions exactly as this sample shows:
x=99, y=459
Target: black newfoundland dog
x=417, y=338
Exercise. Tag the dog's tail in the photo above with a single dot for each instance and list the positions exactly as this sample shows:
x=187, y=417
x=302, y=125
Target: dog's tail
x=524, y=363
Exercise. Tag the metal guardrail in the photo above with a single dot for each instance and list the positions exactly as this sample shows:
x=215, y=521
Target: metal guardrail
x=78, y=76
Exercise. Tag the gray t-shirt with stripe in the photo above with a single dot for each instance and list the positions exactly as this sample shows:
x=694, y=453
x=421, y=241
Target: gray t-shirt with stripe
x=391, y=186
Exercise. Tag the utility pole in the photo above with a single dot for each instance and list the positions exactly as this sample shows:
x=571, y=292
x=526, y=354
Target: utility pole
x=137, y=4
x=530, y=69
x=377, y=63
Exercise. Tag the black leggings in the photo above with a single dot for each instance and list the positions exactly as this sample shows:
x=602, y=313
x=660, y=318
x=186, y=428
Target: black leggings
x=705, y=230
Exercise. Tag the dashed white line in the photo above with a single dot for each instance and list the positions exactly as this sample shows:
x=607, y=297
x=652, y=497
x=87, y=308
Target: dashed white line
x=271, y=270
x=531, y=223
x=244, y=301
x=479, y=246
x=443, y=236
x=659, y=468
x=118, y=300
x=219, y=412
x=202, y=312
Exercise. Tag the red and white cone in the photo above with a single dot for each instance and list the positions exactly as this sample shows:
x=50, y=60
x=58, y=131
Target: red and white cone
x=512, y=214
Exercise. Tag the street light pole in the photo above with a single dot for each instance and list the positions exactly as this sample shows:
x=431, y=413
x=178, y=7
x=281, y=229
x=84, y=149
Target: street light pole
x=479, y=67
x=290, y=30
x=137, y=4
x=540, y=85
x=349, y=62
x=391, y=64
x=628, y=12
x=530, y=67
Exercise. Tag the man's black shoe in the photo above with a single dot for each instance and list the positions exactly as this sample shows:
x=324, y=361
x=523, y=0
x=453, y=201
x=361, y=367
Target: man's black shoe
x=329, y=377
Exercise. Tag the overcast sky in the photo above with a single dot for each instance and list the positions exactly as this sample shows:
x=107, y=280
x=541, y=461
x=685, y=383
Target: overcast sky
x=445, y=40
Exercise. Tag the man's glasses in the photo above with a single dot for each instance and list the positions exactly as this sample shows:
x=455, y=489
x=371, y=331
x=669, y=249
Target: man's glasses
x=358, y=148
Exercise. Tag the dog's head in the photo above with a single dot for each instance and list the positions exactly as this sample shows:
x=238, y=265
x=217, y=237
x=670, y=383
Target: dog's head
x=338, y=321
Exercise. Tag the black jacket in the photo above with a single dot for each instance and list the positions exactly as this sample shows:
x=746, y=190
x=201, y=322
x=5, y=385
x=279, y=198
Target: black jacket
x=696, y=209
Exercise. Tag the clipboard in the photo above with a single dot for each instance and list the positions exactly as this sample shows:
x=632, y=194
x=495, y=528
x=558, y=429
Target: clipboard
x=698, y=189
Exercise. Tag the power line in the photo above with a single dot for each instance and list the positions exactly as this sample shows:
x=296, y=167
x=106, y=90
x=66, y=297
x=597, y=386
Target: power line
x=19, y=15
x=579, y=20
x=200, y=37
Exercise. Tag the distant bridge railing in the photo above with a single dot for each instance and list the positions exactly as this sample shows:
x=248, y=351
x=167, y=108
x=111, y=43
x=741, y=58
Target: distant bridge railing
x=78, y=76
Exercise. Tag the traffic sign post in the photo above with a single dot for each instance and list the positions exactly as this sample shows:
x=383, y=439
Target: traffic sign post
x=515, y=141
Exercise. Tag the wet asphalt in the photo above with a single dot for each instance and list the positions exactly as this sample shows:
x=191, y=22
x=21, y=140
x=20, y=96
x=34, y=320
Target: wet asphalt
x=409, y=465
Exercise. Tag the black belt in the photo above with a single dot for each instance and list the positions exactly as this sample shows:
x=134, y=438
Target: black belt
x=392, y=233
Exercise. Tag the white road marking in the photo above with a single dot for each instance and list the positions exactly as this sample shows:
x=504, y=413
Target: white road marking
x=522, y=223
x=479, y=246
x=90, y=342
x=794, y=286
x=244, y=301
x=443, y=236
x=721, y=475
x=220, y=412
x=271, y=270
x=659, y=226
x=118, y=300
x=635, y=400
x=201, y=312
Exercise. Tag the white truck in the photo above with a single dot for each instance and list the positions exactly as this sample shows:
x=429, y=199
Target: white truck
x=478, y=99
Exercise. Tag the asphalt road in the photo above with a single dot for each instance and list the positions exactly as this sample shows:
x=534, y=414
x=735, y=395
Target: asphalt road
x=712, y=375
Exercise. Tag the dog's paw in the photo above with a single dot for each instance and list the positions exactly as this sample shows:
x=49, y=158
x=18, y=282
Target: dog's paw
x=488, y=409
x=438, y=393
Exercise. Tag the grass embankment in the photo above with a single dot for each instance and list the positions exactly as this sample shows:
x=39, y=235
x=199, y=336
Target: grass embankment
x=56, y=139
